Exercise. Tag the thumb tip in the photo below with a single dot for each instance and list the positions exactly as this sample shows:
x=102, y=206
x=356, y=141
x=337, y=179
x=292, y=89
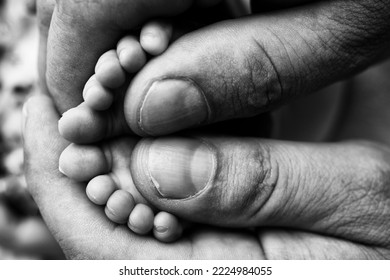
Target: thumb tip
x=174, y=167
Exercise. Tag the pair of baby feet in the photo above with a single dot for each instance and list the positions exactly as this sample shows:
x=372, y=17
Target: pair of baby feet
x=106, y=165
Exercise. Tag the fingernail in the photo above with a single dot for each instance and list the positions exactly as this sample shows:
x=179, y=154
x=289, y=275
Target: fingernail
x=181, y=168
x=171, y=105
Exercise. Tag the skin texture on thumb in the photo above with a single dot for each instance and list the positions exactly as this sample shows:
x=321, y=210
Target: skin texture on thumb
x=240, y=68
x=248, y=182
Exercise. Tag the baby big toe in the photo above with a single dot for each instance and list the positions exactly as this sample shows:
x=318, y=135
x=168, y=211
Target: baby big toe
x=83, y=125
x=82, y=163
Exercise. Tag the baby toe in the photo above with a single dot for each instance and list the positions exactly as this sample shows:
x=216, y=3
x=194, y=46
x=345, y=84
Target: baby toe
x=84, y=125
x=155, y=37
x=167, y=227
x=141, y=219
x=109, y=71
x=100, y=188
x=119, y=206
x=82, y=163
x=96, y=96
x=131, y=55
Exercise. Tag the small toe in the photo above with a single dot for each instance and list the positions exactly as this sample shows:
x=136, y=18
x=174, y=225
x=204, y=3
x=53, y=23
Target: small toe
x=109, y=72
x=119, y=206
x=141, y=219
x=100, y=188
x=131, y=55
x=82, y=163
x=167, y=227
x=96, y=96
x=155, y=37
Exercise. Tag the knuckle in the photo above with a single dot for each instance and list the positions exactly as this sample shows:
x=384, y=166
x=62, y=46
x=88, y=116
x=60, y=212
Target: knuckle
x=246, y=186
x=265, y=85
x=246, y=78
x=230, y=83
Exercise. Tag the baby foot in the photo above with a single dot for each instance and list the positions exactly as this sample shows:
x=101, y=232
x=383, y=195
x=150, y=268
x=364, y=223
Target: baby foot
x=106, y=168
x=91, y=121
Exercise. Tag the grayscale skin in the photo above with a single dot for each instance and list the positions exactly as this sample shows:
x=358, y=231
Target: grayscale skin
x=262, y=197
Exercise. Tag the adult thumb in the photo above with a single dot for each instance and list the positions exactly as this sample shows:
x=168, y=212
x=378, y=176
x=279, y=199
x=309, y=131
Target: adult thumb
x=240, y=68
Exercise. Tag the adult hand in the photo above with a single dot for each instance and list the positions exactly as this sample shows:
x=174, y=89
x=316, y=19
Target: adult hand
x=82, y=229
x=264, y=200
x=330, y=197
x=267, y=58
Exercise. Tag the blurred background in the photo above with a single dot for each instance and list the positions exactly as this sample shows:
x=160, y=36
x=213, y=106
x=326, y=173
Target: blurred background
x=23, y=234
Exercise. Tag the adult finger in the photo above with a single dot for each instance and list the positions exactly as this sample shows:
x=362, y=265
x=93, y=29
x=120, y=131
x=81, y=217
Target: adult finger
x=240, y=68
x=334, y=189
x=82, y=229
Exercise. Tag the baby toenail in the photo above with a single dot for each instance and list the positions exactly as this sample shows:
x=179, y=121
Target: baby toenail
x=161, y=229
x=110, y=212
x=181, y=168
x=150, y=38
x=131, y=225
x=171, y=105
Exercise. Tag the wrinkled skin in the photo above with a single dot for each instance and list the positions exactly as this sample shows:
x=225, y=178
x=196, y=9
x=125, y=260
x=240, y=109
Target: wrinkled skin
x=333, y=227
x=336, y=208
